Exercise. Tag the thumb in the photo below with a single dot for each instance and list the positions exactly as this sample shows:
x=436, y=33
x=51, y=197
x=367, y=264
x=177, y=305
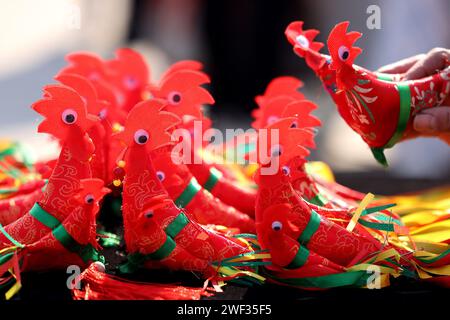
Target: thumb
x=433, y=120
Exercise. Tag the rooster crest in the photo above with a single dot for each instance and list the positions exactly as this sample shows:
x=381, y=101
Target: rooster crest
x=84, y=88
x=86, y=64
x=63, y=110
x=271, y=112
x=301, y=110
x=340, y=44
x=182, y=65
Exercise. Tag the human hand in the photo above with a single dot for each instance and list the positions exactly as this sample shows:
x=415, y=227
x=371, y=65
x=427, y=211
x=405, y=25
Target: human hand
x=433, y=121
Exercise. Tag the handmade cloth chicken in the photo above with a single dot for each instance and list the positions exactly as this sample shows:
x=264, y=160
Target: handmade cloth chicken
x=379, y=107
x=60, y=228
x=187, y=193
x=315, y=247
x=157, y=232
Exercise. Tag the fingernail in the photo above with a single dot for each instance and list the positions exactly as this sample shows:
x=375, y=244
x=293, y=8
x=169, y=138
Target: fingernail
x=425, y=123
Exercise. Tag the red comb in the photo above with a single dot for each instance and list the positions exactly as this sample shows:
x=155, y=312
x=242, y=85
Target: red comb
x=271, y=112
x=340, y=44
x=129, y=69
x=63, y=109
x=291, y=142
x=147, y=119
x=285, y=85
x=302, y=111
x=183, y=92
x=86, y=64
x=304, y=44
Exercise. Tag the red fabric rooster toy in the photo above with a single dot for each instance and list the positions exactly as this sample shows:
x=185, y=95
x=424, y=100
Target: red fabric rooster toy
x=157, y=232
x=379, y=107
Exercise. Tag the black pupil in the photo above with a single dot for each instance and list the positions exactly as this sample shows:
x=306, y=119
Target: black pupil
x=90, y=200
x=160, y=176
x=345, y=55
x=294, y=125
x=285, y=171
x=149, y=214
x=176, y=98
x=142, y=139
x=70, y=118
x=276, y=228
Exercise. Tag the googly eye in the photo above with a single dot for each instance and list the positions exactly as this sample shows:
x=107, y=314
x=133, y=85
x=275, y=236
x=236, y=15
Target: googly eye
x=286, y=170
x=302, y=41
x=149, y=214
x=343, y=53
x=160, y=175
x=277, y=226
x=89, y=199
x=141, y=136
x=276, y=151
x=69, y=116
x=103, y=113
x=130, y=82
x=174, y=97
x=272, y=119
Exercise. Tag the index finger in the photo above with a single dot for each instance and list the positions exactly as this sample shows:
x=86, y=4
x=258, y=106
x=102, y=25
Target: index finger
x=401, y=66
x=435, y=60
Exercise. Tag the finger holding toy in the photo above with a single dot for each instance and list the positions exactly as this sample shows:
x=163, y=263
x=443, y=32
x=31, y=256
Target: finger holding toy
x=435, y=121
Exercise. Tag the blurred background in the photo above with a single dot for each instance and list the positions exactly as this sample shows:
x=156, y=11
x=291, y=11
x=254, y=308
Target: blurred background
x=242, y=45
